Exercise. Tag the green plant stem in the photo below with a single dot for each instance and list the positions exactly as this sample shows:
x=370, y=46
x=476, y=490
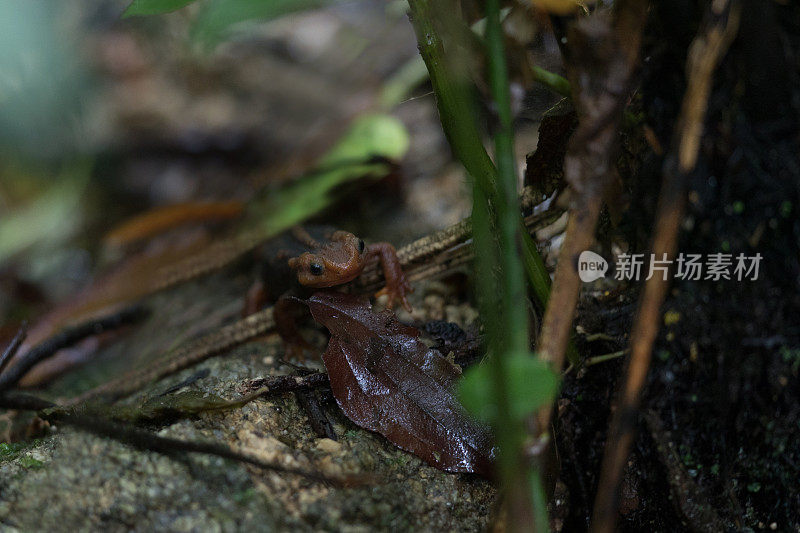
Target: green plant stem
x=513, y=334
x=539, y=499
x=508, y=431
x=552, y=81
x=497, y=233
x=506, y=202
x=453, y=99
x=457, y=115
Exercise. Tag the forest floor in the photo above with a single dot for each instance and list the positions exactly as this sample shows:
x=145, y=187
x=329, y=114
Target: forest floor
x=717, y=440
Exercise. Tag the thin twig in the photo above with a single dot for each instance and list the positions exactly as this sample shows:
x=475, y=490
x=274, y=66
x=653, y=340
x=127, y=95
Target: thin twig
x=67, y=338
x=602, y=83
x=424, y=252
x=605, y=357
x=602, y=58
x=13, y=346
x=705, y=53
x=596, y=360
x=185, y=356
x=271, y=385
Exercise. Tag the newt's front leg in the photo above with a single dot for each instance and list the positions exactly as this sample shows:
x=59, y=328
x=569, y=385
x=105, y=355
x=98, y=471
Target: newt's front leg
x=397, y=285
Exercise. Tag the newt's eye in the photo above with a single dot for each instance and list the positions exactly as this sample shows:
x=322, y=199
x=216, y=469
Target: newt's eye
x=361, y=246
x=316, y=269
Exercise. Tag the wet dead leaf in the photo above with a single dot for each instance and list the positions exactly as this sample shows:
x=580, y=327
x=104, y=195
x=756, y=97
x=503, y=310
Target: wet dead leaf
x=386, y=380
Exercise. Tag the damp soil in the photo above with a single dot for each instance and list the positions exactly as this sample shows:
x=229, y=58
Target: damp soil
x=723, y=384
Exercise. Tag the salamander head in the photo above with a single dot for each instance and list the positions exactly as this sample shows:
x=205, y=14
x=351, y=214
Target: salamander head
x=336, y=262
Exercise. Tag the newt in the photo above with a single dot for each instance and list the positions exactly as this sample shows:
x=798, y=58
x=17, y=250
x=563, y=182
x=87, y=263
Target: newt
x=303, y=261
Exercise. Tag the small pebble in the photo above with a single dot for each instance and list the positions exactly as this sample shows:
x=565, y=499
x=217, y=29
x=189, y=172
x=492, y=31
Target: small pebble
x=328, y=446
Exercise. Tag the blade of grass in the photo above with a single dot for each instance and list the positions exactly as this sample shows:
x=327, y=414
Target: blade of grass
x=522, y=506
x=457, y=115
x=498, y=235
x=506, y=202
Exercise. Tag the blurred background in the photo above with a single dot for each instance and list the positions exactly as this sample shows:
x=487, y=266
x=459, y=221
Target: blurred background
x=103, y=117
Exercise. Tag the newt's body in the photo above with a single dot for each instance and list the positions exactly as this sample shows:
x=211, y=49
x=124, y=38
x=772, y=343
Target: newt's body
x=304, y=260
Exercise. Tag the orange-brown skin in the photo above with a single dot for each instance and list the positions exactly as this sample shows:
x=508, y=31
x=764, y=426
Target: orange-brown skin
x=343, y=258
x=336, y=262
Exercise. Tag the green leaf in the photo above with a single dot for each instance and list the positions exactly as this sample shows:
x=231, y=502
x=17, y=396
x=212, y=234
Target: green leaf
x=369, y=136
x=55, y=216
x=531, y=384
x=364, y=152
x=215, y=20
x=154, y=7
